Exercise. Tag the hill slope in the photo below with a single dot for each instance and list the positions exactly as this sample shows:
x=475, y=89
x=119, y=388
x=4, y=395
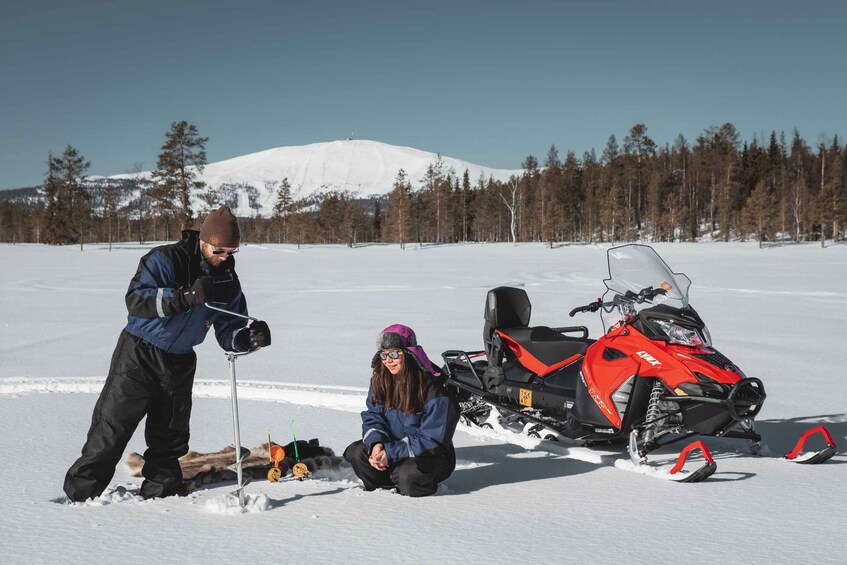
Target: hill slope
x=362, y=167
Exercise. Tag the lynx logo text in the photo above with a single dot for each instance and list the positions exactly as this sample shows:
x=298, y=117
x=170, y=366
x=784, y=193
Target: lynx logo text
x=649, y=358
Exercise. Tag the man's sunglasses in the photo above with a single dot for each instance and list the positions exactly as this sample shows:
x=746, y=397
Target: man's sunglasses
x=393, y=354
x=221, y=251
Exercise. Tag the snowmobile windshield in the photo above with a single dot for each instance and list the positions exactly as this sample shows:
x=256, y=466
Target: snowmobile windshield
x=632, y=269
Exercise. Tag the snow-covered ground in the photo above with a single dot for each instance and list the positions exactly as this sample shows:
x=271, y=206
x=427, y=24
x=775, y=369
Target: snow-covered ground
x=778, y=312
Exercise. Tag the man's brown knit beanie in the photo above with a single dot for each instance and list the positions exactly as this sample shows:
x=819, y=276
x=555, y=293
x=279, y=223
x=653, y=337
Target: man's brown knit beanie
x=220, y=228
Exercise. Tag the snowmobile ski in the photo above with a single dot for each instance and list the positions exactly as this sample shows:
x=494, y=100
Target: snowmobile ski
x=815, y=457
x=702, y=473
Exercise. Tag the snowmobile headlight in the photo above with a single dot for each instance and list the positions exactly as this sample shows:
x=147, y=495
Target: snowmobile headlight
x=680, y=334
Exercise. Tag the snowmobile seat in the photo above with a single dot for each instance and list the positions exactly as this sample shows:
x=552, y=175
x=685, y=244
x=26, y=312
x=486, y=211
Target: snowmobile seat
x=509, y=337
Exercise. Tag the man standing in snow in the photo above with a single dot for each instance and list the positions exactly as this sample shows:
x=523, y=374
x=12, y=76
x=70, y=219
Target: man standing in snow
x=152, y=370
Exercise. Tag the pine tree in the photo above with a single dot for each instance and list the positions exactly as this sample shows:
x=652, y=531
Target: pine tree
x=376, y=224
x=109, y=208
x=282, y=207
x=55, y=216
x=435, y=185
x=527, y=197
x=591, y=181
x=550, y=187
x=466, y=198
x=65, y=186
x=610, y=190
x=759, y=211
x=799, y=195
x=641, y=148
x=178, y=169
x=572, y=195
x=398, y=212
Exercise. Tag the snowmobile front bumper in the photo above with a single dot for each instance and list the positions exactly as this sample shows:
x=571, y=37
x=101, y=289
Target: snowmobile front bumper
x=715, y=416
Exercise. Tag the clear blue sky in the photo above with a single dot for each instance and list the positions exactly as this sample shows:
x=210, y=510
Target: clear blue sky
x=489, y=82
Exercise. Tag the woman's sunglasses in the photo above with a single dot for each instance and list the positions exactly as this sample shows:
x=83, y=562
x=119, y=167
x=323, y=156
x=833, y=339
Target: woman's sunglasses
x=222, y=250
x=393, y=354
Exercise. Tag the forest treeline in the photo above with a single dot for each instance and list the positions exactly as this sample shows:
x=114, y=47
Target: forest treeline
x=715, y=187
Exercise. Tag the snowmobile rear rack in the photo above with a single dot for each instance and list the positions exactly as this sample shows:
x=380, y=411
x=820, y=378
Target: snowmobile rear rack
x=453, y=355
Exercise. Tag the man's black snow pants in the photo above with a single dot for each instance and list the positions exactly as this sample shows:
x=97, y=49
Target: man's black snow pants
x=143, y=379
x=415, y=476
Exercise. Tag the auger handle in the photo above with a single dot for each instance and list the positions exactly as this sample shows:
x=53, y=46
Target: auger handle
x=231, y=313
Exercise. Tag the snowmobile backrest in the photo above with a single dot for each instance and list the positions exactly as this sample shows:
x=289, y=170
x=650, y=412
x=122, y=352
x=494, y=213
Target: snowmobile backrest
x=506, y=307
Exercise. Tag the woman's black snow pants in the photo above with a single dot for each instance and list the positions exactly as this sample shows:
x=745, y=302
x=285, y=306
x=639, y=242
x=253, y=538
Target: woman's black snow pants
x=143, y=379
x=415, y=476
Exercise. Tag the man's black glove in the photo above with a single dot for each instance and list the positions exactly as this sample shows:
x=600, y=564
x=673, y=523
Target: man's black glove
x=198, y=293
x=258, y=335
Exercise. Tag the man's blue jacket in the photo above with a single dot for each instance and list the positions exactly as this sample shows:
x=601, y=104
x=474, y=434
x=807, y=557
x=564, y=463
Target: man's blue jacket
x=158, y=316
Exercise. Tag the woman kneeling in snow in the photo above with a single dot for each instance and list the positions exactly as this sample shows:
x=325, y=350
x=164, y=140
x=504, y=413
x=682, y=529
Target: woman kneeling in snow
x=407, y=440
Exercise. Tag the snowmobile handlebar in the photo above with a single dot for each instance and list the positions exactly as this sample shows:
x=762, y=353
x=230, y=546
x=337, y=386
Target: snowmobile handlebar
x=644, y=295
x=593, y=307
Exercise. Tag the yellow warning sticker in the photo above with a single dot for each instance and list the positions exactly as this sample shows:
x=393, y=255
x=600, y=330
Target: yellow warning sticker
x=526, y=397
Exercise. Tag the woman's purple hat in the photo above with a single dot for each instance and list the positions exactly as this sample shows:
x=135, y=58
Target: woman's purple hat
x=398, y=336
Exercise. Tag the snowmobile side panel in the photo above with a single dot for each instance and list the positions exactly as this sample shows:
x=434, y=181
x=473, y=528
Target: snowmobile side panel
x=588, y=413
x=533, y=363
x=600, y=379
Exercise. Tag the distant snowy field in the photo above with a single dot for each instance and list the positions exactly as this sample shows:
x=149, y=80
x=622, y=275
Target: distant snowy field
x=778, y=312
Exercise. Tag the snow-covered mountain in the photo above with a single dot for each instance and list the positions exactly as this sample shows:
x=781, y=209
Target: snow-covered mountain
x=362, y=167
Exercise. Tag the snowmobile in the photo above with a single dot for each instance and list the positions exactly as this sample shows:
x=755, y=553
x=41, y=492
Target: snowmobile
x=652, y=379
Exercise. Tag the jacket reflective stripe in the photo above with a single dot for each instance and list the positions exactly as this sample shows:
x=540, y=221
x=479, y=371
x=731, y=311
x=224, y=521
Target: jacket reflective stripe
x=234, y=336
x=373, y=430
x=159, y=305
x=409, y=445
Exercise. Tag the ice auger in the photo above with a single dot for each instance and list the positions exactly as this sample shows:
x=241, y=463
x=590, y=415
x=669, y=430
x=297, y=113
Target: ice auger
x=241, y=452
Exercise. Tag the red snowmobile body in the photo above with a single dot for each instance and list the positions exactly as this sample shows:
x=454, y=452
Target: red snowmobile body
x=651, y=380
x=603, y=389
